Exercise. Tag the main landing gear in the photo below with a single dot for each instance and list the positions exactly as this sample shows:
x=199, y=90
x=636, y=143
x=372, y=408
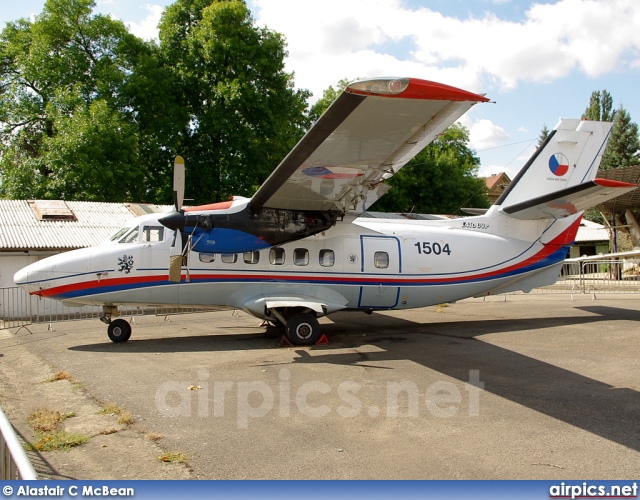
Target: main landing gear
x=301, y=327
x=118, y=330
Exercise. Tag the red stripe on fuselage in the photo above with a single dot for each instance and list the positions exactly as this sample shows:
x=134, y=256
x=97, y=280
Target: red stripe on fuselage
x=563, y=239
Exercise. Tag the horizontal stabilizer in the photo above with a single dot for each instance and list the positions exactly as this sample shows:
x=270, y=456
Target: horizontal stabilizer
x=568, y=201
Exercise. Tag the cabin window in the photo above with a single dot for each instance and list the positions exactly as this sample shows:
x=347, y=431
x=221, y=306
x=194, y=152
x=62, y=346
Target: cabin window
x=131, y=237
x=207, y=257
x=276, y=256
x=229, y=258
x=152, y=234
x=119, y=233
x=327, y=258
x=301, y=257
x=381, y=260
x=251, y=257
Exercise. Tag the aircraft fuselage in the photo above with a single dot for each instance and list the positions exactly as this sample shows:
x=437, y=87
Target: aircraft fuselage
x=367, y=264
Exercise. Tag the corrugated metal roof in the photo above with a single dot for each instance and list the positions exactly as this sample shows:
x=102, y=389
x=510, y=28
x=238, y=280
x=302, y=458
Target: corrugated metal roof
x=21, y=230
x=628, y=200
x=591, y=231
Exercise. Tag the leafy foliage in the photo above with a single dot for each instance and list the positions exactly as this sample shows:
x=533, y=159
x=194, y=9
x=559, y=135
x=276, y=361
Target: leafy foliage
x=623, y=148
x=600, y=107
x=440, y=179
x=244, y=114
x=89, y=111
x=329, y=95
x=73, y=121
x=544, y=133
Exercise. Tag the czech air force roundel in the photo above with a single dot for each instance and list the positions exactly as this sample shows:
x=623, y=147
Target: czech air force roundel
x=558, y=164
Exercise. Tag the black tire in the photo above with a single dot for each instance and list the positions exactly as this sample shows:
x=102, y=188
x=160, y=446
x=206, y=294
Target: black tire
x=303, y=329
x=119, y=330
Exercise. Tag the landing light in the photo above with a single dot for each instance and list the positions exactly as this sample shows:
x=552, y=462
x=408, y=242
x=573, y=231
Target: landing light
x=380, y=86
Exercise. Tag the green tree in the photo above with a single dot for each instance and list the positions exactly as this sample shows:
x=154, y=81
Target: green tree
x=329, y=95
x=442, y=178
x=74, y=122
x=600, y=107
x=623, y=147
x=544, y=133
x=244, y=114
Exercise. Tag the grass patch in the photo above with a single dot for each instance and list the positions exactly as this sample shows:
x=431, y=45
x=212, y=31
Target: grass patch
x=124, y=417
x=106, y=432
x=152, y=436
x=173, y=458
x=48, y=436
x=47, y=420
x=58, y=440
x=61, y=375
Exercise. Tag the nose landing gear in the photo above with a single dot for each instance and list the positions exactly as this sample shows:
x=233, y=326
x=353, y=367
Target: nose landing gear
x=118, y=330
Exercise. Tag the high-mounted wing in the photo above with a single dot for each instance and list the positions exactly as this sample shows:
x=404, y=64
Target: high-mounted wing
x=369, y=132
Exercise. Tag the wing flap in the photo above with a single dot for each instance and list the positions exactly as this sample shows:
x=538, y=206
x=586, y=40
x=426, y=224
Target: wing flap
x=569, y=201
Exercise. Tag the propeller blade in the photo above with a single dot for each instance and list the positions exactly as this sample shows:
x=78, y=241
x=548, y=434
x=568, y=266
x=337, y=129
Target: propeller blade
x=178, y=182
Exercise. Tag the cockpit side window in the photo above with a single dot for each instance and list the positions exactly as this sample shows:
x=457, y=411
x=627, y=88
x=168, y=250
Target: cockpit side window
x=131, y=237
x=151, y=234
x=119, y=233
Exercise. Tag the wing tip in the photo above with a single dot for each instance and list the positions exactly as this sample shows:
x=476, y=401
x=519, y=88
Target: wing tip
x=412, y=88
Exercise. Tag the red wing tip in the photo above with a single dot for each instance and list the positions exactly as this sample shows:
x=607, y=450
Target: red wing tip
x=412, y=88
x=614, y=184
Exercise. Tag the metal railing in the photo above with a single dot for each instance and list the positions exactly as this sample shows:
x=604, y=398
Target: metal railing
x=19, y=310
x=14, y=463
x=601, y=276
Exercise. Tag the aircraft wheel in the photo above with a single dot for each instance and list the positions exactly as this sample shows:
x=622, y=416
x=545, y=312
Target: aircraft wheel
x=119, y=330
x=303, y=329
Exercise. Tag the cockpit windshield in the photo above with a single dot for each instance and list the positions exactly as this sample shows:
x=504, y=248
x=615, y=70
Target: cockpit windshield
x=131, y=236
x=118, y=234
x=148, y=234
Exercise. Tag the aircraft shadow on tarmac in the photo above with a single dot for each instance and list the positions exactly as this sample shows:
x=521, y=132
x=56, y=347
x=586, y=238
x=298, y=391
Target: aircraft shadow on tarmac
x=453, y=348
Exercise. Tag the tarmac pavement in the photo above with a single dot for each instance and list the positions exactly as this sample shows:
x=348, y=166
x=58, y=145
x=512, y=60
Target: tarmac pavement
x=534, y=387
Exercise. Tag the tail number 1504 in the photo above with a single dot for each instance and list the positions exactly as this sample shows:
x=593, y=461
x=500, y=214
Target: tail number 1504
x=436, y=248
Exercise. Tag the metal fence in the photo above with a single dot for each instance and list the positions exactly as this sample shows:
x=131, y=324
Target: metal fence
x=14, y=463
x=19, y=310
x=596, y=276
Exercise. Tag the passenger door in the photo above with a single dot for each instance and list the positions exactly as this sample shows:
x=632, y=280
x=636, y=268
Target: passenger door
x=381, y=268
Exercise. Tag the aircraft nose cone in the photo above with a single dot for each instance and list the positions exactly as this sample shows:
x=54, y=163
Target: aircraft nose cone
x=173, y=221
x=21, y=277
x=24, y=279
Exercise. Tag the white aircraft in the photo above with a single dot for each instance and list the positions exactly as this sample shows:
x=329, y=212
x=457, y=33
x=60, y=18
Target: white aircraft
x=297, y=251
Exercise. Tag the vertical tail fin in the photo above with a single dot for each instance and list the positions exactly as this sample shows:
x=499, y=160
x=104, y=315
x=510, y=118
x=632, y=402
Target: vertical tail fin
x=568, y=157
x=558, y=180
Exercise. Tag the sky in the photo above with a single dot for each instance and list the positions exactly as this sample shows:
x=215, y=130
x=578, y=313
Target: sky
x=536, y=60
